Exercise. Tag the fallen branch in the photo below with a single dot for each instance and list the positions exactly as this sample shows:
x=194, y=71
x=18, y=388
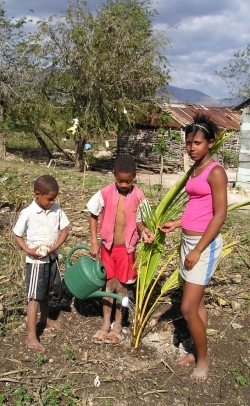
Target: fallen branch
x=156, y=391
x=231, y=322
x=9, y=380
x=16, y=371
x=166, y=365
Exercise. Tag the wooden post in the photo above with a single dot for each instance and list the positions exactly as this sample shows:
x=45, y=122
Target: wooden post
x=186, y=162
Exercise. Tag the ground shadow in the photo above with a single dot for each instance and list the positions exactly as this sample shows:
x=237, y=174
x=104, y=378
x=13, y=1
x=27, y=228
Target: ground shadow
x=92, y=307
x=181, y=335
x=60, y=302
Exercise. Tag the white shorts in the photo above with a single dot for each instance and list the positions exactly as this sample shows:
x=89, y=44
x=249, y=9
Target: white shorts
x=208, y=262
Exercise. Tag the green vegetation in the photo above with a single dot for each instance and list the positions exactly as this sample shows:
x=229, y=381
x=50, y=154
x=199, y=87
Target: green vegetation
x=41, y=359
x=2, y=399
x=237, y=74
x=22, y=396
x=53, y=396
x=69, y=352
x=230, y=158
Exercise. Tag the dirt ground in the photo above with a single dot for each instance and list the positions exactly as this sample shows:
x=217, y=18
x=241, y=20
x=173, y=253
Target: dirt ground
x=74, y=371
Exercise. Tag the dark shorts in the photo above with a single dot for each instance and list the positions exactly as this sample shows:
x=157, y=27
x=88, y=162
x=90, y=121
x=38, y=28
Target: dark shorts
x=41, y=279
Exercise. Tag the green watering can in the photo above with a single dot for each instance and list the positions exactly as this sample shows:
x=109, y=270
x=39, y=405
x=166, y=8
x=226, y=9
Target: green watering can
x=86, y=277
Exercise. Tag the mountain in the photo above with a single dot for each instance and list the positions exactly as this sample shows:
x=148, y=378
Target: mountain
x=178, y=94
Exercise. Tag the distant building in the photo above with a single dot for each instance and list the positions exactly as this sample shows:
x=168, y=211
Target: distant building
x=140, y=143
x=243, y=172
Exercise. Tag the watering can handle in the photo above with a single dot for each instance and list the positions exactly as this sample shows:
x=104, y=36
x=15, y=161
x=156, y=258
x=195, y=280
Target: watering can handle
x=78, y=247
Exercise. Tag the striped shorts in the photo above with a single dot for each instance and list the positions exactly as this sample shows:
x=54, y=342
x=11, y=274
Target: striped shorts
x=42, y=278
x=208, y=262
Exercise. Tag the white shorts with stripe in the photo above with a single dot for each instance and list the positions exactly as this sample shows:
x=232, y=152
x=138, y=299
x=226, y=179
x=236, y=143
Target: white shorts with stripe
x=208, y=262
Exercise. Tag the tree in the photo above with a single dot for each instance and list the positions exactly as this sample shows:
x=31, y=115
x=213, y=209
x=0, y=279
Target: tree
x=11, y=34
x=237, y=74
x=103, y=68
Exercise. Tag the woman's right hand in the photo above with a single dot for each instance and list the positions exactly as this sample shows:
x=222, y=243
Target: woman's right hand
x=168, y=226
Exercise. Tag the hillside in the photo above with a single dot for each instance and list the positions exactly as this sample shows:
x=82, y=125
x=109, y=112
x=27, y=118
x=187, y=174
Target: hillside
x=195, y=96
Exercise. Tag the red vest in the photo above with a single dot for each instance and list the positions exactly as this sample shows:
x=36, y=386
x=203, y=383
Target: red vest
x=107, y=219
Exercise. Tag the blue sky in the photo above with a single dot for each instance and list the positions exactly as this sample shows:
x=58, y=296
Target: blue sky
x=207, y=35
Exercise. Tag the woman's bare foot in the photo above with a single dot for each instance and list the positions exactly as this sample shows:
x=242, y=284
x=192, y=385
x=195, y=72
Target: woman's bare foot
x=54, y=324
x=186, y=359
x=200, y=373
x=32, y=342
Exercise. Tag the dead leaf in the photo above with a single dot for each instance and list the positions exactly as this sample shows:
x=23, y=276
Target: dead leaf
x=221, y=302
x=211, y=331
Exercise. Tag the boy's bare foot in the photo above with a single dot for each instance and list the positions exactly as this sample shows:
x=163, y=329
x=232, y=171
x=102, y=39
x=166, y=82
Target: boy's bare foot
x=186, y=359
x=54, y=324
x=34, y=343
x=200, y=373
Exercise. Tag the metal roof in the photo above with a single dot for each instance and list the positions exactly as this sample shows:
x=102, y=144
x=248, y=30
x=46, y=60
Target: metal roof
x=242, y=104
x=224, y=117
x=182, y=114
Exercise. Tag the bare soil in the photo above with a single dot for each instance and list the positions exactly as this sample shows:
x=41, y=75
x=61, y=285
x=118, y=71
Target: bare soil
x=67, y=371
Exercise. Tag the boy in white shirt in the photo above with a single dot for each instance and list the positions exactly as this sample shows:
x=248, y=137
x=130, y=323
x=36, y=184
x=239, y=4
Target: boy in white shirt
x=45, y=225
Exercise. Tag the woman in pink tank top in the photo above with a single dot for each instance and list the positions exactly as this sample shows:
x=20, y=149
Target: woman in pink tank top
x=202, y=244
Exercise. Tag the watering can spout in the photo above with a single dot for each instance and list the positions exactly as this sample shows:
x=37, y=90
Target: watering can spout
x=122, y=299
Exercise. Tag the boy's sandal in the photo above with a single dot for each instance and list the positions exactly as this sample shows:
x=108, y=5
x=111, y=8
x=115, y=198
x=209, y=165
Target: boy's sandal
x=99, y=336
x=113, y=338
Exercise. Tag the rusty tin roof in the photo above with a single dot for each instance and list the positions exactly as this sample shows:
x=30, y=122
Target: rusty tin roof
x=182, y=114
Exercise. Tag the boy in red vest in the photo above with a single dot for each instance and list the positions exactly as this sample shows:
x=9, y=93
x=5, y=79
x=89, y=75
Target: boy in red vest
x=120, y=228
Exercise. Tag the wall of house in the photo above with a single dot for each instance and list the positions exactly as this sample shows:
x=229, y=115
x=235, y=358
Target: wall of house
x=243, y=172
x=140, y=145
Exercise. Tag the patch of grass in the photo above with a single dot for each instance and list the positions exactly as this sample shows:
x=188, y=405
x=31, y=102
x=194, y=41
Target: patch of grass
x=241, y=380
x=22, y=396
x=121, y=394
x=69, y=352
x=41, y=359
x=53, y=396
x=2, y=399
x=238, y=375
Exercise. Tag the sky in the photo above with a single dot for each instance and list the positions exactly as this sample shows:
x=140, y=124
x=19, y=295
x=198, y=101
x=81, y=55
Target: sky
x=204, y=35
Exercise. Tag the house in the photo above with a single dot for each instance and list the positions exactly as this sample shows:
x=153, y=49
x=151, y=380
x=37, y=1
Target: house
x=243, y=172
x=140, y=143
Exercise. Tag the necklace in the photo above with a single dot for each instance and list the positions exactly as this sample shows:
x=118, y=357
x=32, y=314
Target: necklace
x=199, y=167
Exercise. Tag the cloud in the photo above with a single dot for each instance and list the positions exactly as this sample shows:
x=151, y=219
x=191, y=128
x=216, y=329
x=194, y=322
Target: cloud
x=208, y=34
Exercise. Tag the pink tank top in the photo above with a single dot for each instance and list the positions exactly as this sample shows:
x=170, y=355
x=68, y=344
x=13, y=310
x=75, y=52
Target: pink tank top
x=199, y=209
